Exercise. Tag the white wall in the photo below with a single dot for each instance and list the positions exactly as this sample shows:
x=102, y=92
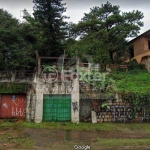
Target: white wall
x=42, y=88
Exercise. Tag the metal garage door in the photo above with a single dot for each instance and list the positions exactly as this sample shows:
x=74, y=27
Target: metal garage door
x=57, y=107
x=13, y=106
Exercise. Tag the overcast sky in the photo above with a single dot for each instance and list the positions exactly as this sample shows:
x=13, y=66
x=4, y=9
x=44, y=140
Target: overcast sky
x=77, y=8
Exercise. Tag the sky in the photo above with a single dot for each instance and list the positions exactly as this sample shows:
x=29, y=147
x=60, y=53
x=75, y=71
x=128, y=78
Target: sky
x=77, y=8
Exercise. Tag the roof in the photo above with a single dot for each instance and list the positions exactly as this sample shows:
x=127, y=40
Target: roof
x=147, y=33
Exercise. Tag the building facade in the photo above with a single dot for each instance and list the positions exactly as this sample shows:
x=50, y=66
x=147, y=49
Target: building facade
x=140, y=48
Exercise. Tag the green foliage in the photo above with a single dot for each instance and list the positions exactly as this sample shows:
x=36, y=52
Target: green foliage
x=114, y=143
x=63, y=126
x=79, y=126
x=105, y=105
x=103, y=31
x=16, y=43
x=138, y=100
x=12, y=87
x=131, y=81
x=51, y=27
x=134, y=65
x=134, y=86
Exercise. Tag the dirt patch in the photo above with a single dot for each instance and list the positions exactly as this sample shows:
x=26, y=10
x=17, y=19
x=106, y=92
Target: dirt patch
x=46, y=137
x=53, y=139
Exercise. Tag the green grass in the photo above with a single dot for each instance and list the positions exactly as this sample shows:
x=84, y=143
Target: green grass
x=132, y=81
x=123, y=142
x=80, y=126
x=62, y=126
x=13, y=133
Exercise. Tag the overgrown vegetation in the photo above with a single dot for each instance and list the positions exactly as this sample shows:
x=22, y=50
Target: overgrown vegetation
x=17, y=41
x=50, y=34
x=134, y=81
x=100, y=37
x=103, y=32
x=134, y=86
x=135, y=66
x=13, y=87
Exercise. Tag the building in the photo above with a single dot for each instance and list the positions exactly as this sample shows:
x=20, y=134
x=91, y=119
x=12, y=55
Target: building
x=140, y=48
x=37, y=97
x=58, y=95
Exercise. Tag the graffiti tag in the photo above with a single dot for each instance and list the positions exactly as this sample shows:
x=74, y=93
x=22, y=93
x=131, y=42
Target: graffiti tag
x=122, y=113
x=5, y=105
x=75, y=106
x=16, y=112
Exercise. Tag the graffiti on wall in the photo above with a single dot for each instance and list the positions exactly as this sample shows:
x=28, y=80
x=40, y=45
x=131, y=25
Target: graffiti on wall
x=18, y=107
x=5, y=105
x=13, y=106
x=18, y=112
x=113, y=111
x=75, y=106
x=122, y=113
x=62, y=87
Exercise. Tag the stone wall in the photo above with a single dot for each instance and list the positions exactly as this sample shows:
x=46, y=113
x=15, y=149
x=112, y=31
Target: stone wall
x=108, y=110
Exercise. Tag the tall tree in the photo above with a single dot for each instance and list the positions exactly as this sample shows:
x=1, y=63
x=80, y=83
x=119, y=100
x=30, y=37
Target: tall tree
x=51, y=26
x=16, y=47
x=104, y=31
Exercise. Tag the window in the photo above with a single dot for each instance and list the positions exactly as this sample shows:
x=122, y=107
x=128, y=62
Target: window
x=148, y=44
x=131, y=50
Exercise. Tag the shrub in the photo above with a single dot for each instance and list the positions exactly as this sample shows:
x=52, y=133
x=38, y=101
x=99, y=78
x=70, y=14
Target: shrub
x=134, y=65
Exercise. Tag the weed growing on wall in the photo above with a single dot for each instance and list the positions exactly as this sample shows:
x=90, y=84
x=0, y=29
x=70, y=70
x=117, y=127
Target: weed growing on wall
x=13, y=87
x=134, y=86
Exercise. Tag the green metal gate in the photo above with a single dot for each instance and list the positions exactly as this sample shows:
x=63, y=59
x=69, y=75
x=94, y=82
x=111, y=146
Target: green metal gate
x=57, y=107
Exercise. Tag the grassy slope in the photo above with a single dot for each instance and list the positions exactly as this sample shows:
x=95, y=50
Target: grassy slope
x=133, y=81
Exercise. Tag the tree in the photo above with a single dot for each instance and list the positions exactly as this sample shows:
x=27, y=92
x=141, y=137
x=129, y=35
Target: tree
x=16, y=47
x=104, y=31
x=51, y=26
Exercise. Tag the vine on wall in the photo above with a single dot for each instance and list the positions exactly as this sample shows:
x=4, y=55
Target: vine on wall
x=134, y=87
